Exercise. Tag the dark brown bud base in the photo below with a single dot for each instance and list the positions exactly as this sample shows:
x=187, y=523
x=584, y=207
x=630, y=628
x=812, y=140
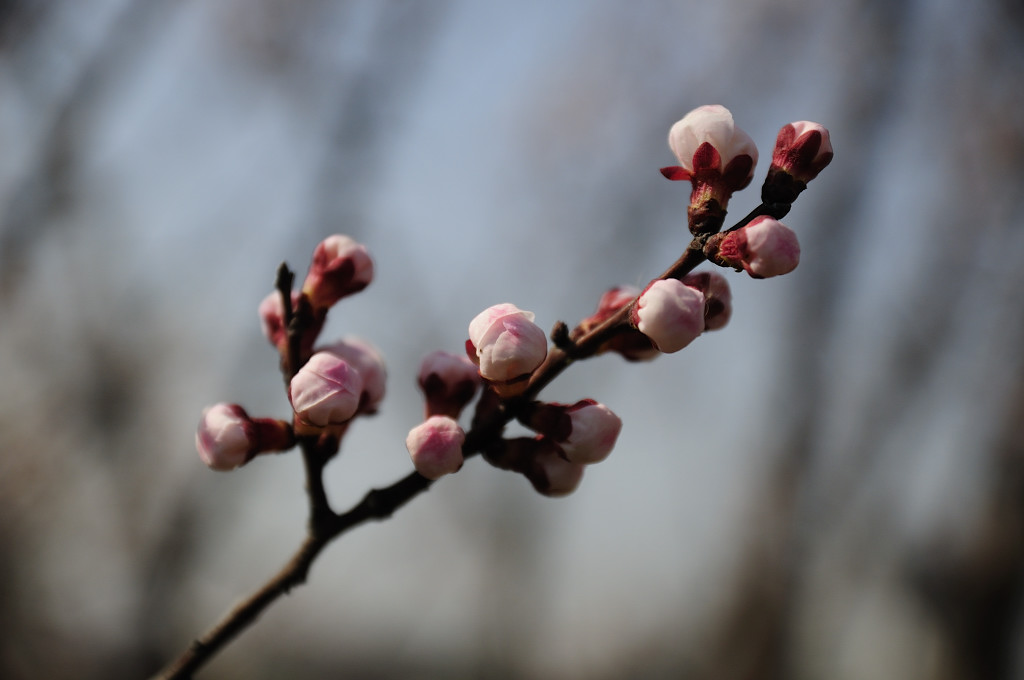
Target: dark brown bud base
x=705, y=218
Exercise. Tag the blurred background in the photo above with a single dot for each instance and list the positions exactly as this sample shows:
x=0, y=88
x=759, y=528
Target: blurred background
x=830, y=487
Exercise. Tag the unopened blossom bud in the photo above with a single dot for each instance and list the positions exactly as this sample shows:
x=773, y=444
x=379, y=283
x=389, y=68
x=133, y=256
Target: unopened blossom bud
x=436, y=446
x=448, y=381
x=670, y=313
x=340, y=267
x=505, y=343
x=717, y=297
x=326, y=391
x=228, y=438
x=550, y=473
x=717, y=157
x=369, y=363
x=271, y=311
x=610, y=304
x=585, y=431
x=765, y=247
x=802, y=150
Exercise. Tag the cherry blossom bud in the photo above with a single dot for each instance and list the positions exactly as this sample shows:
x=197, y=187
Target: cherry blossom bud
x=802, y=150
x=610, y=303
x=717, y=297
x=369, y=363
x=449, y=382
x=340, y=267
x=228, y=438
x=505, y=343
x=765, y=247
x=550, y=473
x=436, y=446
x=585, y=431
x=717, y=157
x=326, y=391
x=271, y=311
x=670, y=313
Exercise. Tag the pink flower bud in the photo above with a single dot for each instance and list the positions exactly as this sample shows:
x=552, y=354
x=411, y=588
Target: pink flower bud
x=540, y=459
x=505, y=343
x=585, y=431
x=448, y=382
x=717, y=297
x=550, y=473
x=340, y=267
x=802, y=149
x=369, y=363
x=228, y=438
x=610, y=304
x=765, y=247
x=436, y=446
x=671, y=314
x=326, y=390
x=271, y=311
x=716, y=156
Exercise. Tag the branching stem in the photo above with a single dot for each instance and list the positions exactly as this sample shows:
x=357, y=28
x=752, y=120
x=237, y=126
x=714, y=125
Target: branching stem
x=325, y=525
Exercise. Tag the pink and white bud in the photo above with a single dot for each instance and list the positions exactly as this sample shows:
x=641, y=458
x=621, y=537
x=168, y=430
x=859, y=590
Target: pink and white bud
x=717, y=297
x=369, y=363
x=716, y=156
x=670, y=314
x=436, y=446
x=763, y=248
x=340, y=267
x=505, y=343
x=449, y=383
x=586, y=431
x=802, y=149
x=228, y=438
x=326, y=391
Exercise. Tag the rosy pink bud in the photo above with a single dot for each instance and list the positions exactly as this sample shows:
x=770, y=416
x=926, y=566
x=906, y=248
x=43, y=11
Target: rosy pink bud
x=765, y=247
x=228, y=438
x=505, y=343
x=271, y=312
x=671, y=314
x=802, y=149
x=610, y=303
x=340, y=267
x=326, y=391
x=436, y=446
x=586, y=431
x=369, y=363
x=717, y=297
x=716, y=156
x=448, y=381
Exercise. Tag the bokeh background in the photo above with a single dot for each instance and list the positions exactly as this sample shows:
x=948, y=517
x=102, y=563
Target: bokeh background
x=830, y=487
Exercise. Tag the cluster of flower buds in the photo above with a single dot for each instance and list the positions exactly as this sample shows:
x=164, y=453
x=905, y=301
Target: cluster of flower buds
x=719, y=158
x=569, y=437
x=329, y=386
x=449, y=382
